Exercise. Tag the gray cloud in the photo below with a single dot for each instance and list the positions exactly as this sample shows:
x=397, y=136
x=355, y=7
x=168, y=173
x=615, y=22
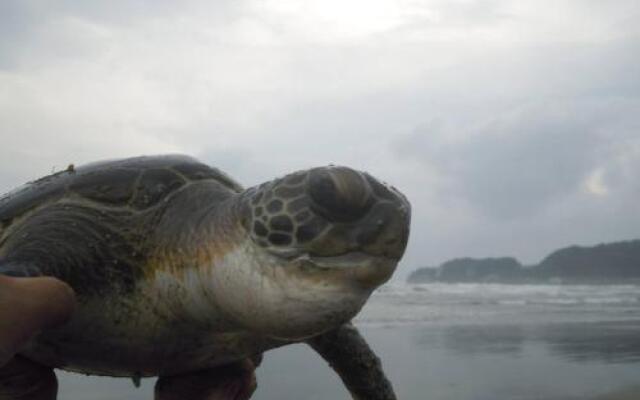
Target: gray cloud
x=518, y=164
x=513, y=129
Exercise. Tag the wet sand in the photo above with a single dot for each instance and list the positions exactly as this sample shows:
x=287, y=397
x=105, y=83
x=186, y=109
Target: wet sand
x=464, y=362
x=630, y=393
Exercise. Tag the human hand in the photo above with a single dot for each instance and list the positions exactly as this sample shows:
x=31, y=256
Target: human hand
x=27, y=306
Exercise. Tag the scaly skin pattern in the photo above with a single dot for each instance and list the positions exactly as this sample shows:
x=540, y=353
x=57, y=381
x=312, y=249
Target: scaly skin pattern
x=170, y=273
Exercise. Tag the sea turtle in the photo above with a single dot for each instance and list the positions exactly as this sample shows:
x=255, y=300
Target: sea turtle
x=178, y=269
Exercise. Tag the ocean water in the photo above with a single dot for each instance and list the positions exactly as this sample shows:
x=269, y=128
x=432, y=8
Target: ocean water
x=463, y=342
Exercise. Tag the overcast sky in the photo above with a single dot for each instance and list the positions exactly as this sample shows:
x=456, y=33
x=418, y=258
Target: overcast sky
x=512, y=126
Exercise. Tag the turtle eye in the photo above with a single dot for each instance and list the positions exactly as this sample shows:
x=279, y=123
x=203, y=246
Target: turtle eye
x=310, y=230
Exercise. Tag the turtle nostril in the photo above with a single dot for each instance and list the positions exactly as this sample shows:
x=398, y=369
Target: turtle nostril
x=340, y=194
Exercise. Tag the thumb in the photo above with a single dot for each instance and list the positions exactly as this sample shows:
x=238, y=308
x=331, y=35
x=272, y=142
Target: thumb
x=29, y=305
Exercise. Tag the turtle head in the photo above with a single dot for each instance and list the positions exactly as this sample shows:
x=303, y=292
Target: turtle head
x=333, y=221
x=318, y=242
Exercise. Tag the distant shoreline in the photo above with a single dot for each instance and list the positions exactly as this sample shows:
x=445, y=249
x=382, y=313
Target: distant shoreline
x=615, y=263
x=632, y=282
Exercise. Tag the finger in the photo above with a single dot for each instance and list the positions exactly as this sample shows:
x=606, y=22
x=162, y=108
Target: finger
x=230, y=382
x=29, y=305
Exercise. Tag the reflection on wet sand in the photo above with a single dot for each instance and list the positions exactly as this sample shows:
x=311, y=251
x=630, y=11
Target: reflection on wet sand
x=491, y=339
x=604, y=342
x=630, y=393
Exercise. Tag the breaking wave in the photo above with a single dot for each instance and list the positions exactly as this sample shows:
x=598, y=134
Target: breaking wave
x=399, y=304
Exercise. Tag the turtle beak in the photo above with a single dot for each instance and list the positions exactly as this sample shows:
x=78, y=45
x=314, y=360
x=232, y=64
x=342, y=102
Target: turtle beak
x=385, y=231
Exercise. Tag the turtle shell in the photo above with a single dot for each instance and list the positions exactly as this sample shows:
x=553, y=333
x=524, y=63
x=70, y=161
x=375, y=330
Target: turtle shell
x=139, y=183
x=100, y=218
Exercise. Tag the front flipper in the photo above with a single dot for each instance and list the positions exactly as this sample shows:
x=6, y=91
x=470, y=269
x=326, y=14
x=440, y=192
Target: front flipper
x=350, y=356
x=21, y=379
x=230, y=382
